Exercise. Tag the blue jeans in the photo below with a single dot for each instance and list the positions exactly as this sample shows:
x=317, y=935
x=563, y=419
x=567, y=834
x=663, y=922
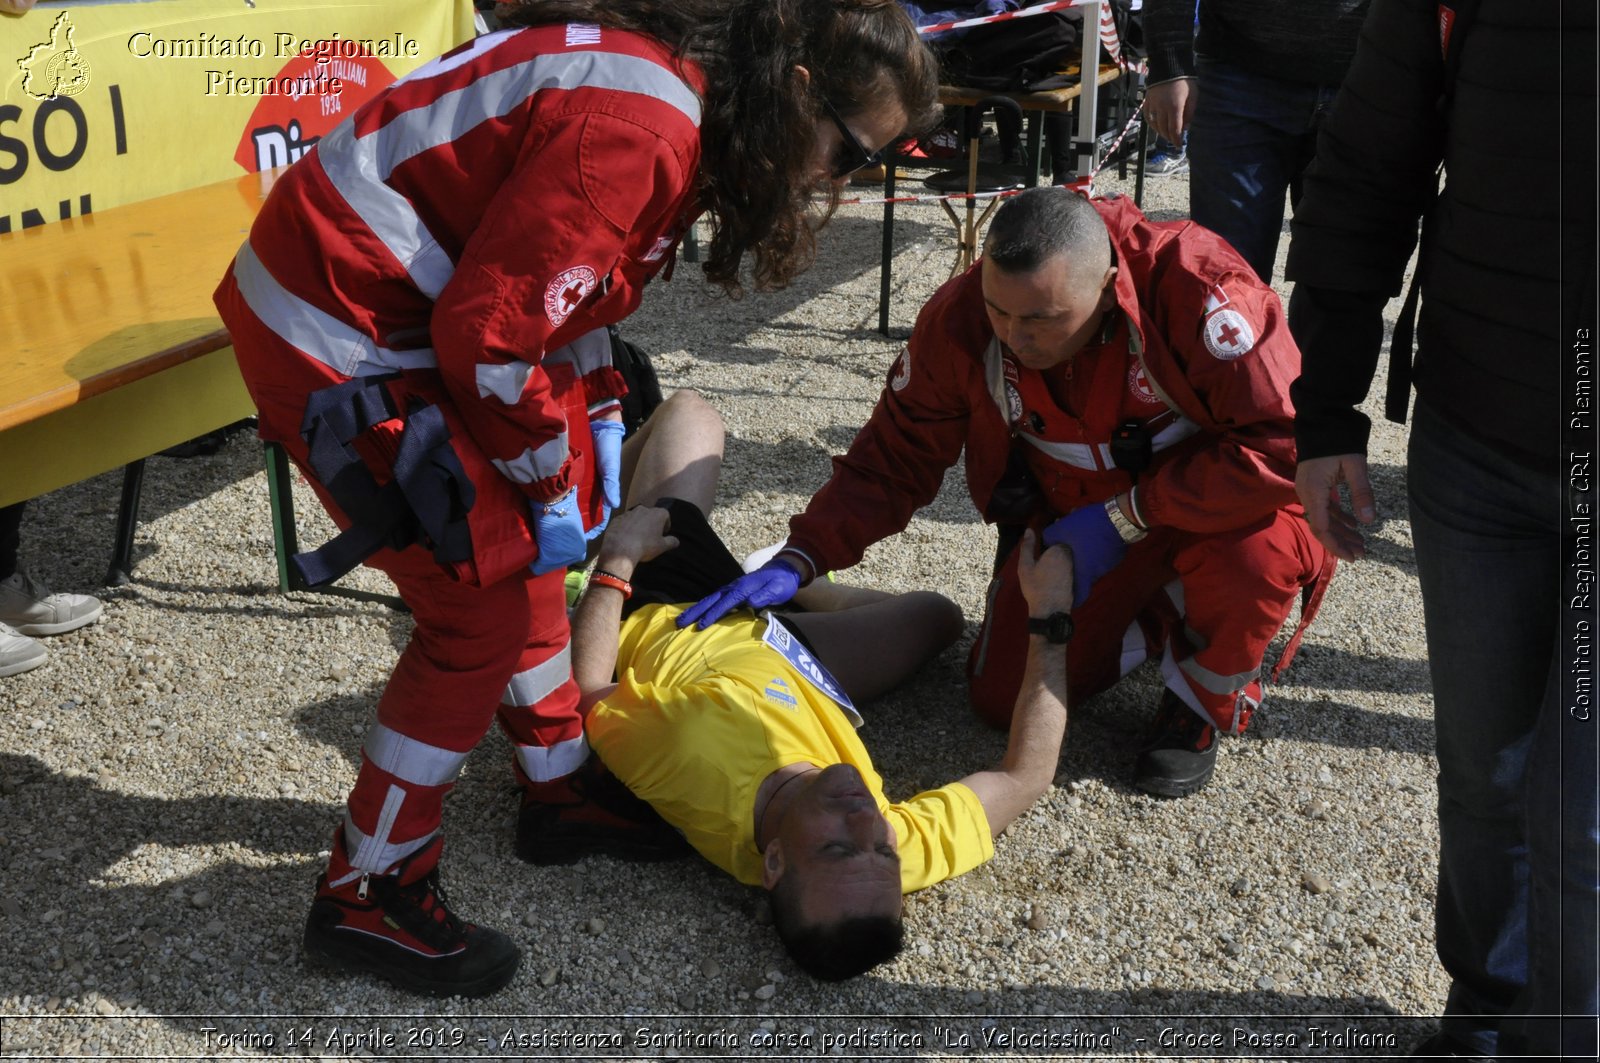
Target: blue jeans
x=1518, y=834
x=1251, y=139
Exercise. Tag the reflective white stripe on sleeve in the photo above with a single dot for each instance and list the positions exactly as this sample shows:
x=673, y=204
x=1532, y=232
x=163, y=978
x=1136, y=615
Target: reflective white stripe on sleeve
x=530, y=687
x=1173, y=434
x=543, y=763
x=410, y=760
x=587, y=353
x=535, y=463
x=322, y=336
x=446, y=63
x=359, y=166
x=352, y=166
x=504, y=382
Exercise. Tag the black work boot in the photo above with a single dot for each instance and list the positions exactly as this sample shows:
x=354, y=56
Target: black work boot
x=398, y=927
x=1179, y=753
x=588, y=812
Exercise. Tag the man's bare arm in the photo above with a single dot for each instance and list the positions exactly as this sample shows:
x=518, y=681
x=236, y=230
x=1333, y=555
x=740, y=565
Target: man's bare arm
x=1039, y=721
x=635, y=536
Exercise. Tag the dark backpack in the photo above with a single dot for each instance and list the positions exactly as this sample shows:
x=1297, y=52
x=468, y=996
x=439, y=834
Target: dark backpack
x=1018, y=55
x=644, y=389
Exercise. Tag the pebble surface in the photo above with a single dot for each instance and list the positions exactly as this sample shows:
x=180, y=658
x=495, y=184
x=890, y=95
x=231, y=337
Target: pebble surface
x=171, y=778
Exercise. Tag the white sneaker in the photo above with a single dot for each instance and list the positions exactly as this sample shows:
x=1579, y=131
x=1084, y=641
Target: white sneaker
x=18, y=653
x=28, y=606
x=763, y=555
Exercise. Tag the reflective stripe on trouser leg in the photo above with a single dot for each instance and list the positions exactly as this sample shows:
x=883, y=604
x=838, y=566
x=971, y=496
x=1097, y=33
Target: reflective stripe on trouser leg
x=437, y=706
x=376, y=851
x=539, y=707
x=1146, y=635
x=412, y=767
x=1226, y=701
x=1238, y=588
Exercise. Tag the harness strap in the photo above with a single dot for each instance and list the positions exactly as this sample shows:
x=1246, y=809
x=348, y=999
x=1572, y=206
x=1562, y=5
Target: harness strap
x=1310, y=601
x=426, y=501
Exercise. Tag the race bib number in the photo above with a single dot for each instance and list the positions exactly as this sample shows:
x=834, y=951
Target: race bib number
x=781, y=639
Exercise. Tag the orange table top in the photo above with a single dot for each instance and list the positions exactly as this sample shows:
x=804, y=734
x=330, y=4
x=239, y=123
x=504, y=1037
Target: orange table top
x=88, y=304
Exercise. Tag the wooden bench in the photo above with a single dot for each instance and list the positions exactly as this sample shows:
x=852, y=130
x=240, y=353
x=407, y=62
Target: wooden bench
x=1035, y=105
x=113, y=350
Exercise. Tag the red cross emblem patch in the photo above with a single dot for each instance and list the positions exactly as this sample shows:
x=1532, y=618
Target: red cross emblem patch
x=902, y=370
x=562, y=295
x=1139, y=386
x=1228, y=335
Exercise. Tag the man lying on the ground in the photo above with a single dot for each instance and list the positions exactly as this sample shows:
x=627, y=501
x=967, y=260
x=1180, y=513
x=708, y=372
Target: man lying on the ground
x=743, y=735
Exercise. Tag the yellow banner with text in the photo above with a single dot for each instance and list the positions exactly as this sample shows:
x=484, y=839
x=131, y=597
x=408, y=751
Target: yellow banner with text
x=109, y=103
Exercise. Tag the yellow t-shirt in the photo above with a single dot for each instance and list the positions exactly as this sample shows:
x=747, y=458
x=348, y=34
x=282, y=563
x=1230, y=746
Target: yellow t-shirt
x=700, y=718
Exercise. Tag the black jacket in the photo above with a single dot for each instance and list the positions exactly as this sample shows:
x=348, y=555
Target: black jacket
x=1306, y=41
x=1508, y=245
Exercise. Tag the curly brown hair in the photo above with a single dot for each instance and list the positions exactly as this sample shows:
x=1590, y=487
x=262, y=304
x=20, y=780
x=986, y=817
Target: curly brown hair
x=758, y=131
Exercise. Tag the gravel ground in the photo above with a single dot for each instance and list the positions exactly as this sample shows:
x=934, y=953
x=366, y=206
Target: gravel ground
x=171, y=778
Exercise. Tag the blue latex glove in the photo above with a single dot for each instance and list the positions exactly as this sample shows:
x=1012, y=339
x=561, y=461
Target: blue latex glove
x=608, y=466
x=558, y=529
x=772, y=584
x=1096, y=546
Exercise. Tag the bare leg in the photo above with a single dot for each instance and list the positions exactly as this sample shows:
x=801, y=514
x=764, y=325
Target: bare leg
x=873, y=648
x=677, y=453
x=825, y=596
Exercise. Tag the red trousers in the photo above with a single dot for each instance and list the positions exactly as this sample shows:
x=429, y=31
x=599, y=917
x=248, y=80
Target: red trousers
x=476, y=651
x=1208, y=604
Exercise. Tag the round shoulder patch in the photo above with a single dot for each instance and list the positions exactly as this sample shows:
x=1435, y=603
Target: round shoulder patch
x=563, y=294
x=902, y=370
x=1228, y=335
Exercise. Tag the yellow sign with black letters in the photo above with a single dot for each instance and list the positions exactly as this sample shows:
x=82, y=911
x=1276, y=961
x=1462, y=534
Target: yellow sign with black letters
x=103, y=104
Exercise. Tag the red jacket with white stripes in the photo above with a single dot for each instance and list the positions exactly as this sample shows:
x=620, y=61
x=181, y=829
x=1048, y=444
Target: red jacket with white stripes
x=496, y=204
x=1196, y=339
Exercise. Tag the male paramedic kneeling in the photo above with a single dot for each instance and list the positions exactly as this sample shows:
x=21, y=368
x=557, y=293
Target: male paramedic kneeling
x=1121, y=385
x=420, y=315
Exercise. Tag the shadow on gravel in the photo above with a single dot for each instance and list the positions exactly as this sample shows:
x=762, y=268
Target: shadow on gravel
x=69, y=841
x=1340, y=669
x=265, y=600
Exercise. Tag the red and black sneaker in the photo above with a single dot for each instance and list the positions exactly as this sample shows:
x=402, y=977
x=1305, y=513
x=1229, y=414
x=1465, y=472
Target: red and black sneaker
x=1179, y=753
x=589, y=812
x=399, y=927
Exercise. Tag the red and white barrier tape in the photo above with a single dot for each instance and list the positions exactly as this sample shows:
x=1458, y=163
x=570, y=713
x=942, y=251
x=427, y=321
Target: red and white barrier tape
x=1111, y=152
x=1004, y=16
x=1108, y=28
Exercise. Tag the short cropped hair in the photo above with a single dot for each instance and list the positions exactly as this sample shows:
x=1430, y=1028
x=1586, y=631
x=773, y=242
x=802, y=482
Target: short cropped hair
x=833, y=952
x=1035, y=226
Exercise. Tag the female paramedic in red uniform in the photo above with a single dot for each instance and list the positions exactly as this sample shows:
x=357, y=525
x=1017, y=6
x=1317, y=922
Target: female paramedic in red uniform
x=419, y=314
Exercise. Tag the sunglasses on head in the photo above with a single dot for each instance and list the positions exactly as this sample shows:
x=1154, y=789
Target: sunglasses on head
x=851, y=155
